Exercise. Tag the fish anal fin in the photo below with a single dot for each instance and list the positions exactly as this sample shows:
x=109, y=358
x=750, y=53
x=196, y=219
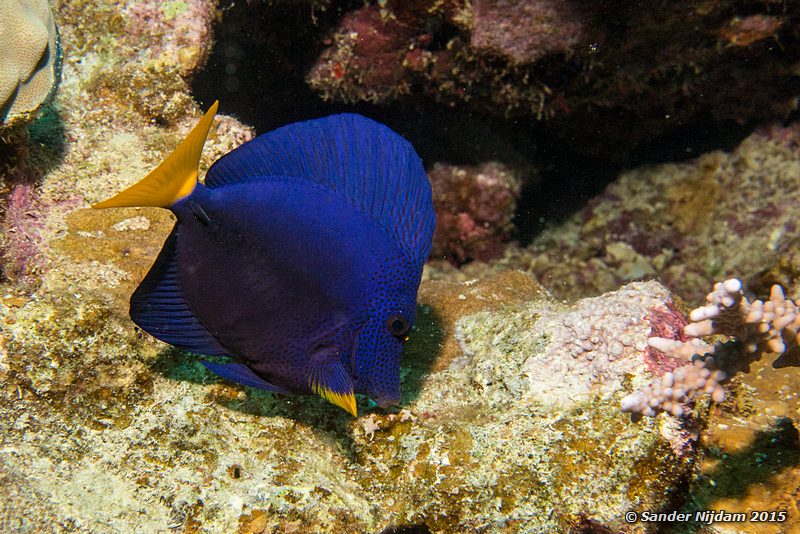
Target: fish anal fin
x=331, y=382
x=160, y=309
x=241, y=374
x=174, y=178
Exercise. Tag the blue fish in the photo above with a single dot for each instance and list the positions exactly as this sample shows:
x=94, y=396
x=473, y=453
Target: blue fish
x=300, y=256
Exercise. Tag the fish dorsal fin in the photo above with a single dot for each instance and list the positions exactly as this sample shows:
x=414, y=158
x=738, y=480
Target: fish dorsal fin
x=331, y=382
x=364, y=161
x=158, y=307
x=174, y=178
x=241, y=374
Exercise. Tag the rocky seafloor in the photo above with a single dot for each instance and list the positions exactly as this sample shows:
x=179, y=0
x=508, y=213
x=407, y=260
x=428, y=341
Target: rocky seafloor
x=522, y=352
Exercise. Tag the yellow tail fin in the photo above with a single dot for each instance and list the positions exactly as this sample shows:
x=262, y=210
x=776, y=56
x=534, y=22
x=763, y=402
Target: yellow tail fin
x=174, y=178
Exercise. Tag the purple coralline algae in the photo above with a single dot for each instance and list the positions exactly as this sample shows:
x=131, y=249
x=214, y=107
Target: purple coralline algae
x=370, y=48
x=179, y=29
x=21, y=232
x=538, y=28
x=474, y=210
x=586, y=75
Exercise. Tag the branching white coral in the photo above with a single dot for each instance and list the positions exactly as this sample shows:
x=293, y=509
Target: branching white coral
x=752, y=328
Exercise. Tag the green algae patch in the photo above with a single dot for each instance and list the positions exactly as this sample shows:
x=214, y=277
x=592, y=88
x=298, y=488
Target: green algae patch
x=90, y=25
x=443, y=303
x=689, y=198
x=653, y=476
x=152, y=89
x=174, y=8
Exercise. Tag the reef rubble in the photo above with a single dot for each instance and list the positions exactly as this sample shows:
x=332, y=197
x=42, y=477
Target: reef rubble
x=474, y=207
x=719, y=215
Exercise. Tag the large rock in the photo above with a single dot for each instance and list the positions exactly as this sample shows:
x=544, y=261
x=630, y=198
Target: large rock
x=588, y=73
x=510, y=418
x=723, y=214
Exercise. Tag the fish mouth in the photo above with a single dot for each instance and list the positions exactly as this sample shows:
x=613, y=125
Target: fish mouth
x=362, y=380
x=384, y=401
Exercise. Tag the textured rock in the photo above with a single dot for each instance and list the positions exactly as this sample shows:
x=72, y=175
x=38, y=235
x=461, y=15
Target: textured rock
x=179, y=29
x=474, y=209
x=731, y=214
x=537, y=28
x=369, y=48
x=99, y=421
x=108, y=128
x=30, y=54
x=588, y=72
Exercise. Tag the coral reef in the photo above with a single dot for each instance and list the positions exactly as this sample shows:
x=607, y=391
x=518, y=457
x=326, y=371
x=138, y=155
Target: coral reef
x=113, y=100
x=718, y=216
x=179, y=29
x=30, y=51
x=378, y=52
x=753, y=329
x=136, y=60
x=99, y=420
x=588, y=75
x=474, y=210
x=366, y=49
x=510, y=417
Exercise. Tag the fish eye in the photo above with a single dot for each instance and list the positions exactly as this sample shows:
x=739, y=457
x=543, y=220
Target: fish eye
x=398, y=326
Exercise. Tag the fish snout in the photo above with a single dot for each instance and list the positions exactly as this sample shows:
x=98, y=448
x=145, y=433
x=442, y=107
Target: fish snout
x=386, y=400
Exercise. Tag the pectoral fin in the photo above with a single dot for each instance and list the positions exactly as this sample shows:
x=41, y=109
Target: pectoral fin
x=331, y=382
